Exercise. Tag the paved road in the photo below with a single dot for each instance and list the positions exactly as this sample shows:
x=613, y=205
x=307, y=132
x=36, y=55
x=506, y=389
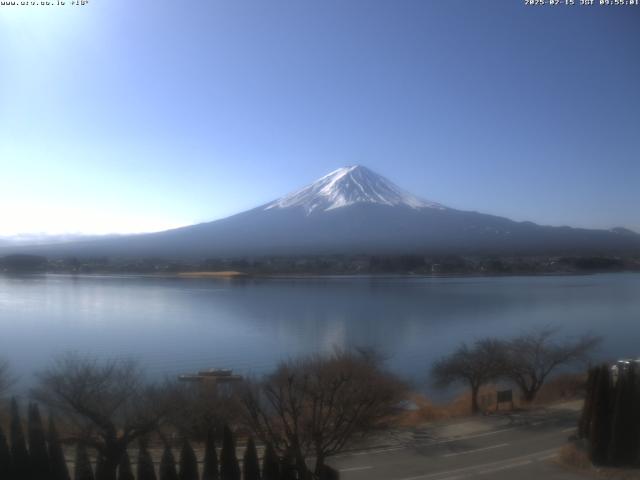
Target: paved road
x=522, y=448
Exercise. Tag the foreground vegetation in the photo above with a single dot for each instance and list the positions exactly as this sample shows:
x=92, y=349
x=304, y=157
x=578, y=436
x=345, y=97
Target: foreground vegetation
x=303, y=413
x=610, y=421
x=289, y=422
x=526, y=361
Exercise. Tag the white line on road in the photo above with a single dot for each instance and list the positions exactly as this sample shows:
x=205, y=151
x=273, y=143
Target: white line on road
x=355, y=469
x=505, y=467
x=547, y=457
x=566, y=430
x=370, y=452
x=476, y=450
x=448, y=474
x=468, y=437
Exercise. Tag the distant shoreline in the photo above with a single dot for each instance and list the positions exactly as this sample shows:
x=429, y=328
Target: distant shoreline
x=212, y=274
x=236, y=275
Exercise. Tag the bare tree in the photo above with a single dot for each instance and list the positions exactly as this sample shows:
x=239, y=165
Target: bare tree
x=474, y=365
x=200, y=408
x=108, y=403
x=315, y=406
x=534, y=355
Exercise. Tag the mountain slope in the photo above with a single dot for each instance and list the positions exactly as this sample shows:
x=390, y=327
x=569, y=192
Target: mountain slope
x=353, y=210
x=348, y=186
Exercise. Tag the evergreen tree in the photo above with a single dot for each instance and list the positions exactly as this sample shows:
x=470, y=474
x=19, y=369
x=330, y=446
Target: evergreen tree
x=40, y=468
x=21, y=465
x=101, y=473
x=250, y=464
x=57, y=460
x=600, y=430
x=5, y=456
x=328, y=473
x=635, y=417
x=210, y=470
x=124, y=468
x=188, y=462
x=145, y=470
x=288, y=468
x=270, y=464
x=587, y=408
x=83, y=464
x=229, y=467
x=623, y=449
x=168, y=465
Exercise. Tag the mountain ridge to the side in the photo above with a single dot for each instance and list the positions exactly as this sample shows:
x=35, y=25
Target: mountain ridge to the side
x=352, y=210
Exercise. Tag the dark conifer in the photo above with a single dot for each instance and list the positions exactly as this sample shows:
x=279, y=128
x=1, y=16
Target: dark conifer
x=188, y=462
x=270, y=464
x=600, y=430
x=40, y=469
x=5, y=456
x=101, y=471
x=229, y=467
x=21, y=466
x=83, y=464
x=168, y=465
x=587, y=408
x=210, y=470
x=145, y=470
x=250, y=464
x=635, y=417
x=288, y=468
x=124, y=468
x=57, y=460
x=622, y=447
x=328, y=473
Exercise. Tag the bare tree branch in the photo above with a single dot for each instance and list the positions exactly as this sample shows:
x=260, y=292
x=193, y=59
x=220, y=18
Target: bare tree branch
x=475, y=365
x=108, y=402
x=315, y=406
x=534, y=355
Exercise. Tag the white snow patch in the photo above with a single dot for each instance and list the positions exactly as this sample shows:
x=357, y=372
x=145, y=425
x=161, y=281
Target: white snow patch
x=348, y=186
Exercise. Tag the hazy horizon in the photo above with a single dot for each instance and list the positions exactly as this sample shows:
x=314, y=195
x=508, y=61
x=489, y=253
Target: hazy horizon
x=123, y=117
x=29, y=237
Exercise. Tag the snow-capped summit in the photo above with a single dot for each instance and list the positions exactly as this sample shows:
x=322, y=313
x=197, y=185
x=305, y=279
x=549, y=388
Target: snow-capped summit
x=350, y=211
x=347, y=186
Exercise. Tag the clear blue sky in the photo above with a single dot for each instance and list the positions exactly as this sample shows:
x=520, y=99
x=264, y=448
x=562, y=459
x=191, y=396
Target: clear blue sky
x=139, y=115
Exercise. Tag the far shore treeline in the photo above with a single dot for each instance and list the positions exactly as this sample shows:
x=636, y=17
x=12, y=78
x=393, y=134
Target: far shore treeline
x=329, y=264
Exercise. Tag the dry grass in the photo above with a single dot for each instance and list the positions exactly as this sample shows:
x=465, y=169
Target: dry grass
x=428, y=411
x=575, y=458
x=562, y=388
x=572, y=456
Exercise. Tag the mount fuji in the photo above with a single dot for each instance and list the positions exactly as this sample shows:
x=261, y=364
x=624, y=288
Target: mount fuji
x=349, y=186
x=353, y=210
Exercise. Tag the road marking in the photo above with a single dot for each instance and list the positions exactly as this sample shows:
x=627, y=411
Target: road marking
x=369, y=452
x=572, y=429
x=547, y=457
x=431, y=444
x=451, y=474
x=505, y=467
x=355, y=469
x=468, y=437
x=476, y=450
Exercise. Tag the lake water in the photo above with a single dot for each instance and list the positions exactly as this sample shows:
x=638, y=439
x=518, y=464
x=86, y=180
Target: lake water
x=181, y=325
